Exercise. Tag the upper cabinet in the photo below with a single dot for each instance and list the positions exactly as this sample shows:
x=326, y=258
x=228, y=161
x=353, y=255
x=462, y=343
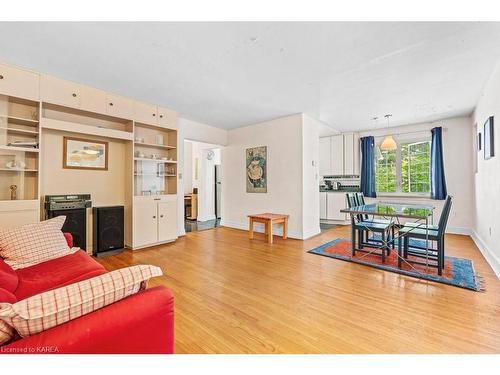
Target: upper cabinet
x=167, y=118
x=19, y=82
x=119, y=106
x=93, y=100
x=339, y=155
x=145, y=113
x=155, y=115
x=59, y=91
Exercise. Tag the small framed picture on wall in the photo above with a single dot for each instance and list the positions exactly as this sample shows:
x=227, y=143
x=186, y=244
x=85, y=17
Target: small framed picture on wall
x=489, y=139
x=85, y=154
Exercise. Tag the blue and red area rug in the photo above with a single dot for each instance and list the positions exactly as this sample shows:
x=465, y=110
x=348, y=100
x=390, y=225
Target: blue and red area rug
x=457, y=271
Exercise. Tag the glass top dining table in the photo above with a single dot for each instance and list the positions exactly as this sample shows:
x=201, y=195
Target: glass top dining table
x=396, y=210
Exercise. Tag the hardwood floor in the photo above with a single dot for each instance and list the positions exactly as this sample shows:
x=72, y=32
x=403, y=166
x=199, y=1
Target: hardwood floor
x=235, y=295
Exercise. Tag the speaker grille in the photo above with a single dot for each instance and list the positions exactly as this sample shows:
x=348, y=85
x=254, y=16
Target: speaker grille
x=108, y=229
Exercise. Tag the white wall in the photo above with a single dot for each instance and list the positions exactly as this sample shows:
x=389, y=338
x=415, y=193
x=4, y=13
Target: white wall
x=310, y=172
x=195, y=131
x=458, y=162
x=487, y=179
x=285, y=185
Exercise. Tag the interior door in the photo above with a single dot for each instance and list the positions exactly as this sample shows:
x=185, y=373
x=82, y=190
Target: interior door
x=167, y=221
x=145, y=222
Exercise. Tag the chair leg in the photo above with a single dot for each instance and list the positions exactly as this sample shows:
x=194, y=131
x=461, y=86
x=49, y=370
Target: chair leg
x=405, y=245
x=442, y=251
x=353, y=236
x=440, y=259
x=383, y=247
x=392, y=231
x=361, y=234
x=391, y=240
x=400, y=252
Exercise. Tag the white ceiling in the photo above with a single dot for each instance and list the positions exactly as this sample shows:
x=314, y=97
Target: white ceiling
x=234, y=74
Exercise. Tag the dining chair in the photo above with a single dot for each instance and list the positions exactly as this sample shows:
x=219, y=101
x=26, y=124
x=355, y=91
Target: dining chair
x=359, y=225
x=430, y=233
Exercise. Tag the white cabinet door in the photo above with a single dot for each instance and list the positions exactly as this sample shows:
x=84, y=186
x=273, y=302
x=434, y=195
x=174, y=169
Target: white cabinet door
x=19, y=82
x=336, y=202
x=59, y=91
x=145, y=222
x=93, y=100
x=337, y=152
x=167, y=118
x=119, y=106
x=356, y=158
x=167, y=221
x=322, y=205
x=349, y=154
x=325, y=159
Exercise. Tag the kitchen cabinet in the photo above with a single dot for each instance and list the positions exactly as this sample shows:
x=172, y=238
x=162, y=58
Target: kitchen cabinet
x=335, y=202
x=325, y=159
x=155, y=220
x=59, y=91
x=19, y=83
x=322, y=205
x=119, y=106
x=337, y=154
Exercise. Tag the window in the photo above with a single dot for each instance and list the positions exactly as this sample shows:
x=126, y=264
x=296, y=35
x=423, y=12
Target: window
x=405, y=170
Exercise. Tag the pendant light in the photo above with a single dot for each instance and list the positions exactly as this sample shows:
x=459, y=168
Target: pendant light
x=389, y=144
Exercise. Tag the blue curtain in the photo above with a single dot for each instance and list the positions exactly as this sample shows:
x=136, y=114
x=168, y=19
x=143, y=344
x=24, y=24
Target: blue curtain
x=438, y=181
x=368, y=167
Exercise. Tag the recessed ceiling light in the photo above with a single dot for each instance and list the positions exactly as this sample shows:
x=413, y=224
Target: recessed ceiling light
x=253, y=39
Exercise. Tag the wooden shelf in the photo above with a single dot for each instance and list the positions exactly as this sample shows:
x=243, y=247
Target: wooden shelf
x=19, y=131
x=156, y=160
x=75, y=127
x=18, y=170
x=144, y=144
x=19, y=149
x=20, y=120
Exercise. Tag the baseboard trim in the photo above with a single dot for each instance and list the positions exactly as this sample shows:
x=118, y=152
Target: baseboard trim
x=490, y=257
x=259, y=228
x=459, y=230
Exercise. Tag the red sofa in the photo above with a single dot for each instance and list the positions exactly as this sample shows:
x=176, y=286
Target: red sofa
x=141, y=323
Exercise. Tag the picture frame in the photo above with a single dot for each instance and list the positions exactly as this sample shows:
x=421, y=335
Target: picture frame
x=256, y=169
x=489, y=139
x=85, y=154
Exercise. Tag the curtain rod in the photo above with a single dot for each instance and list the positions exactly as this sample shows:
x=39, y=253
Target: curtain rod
x=413, y=132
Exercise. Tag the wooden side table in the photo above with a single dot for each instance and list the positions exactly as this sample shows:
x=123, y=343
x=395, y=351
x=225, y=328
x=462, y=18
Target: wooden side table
x=268, y=219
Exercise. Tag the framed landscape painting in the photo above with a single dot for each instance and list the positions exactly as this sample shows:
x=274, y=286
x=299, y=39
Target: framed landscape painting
x=256, y=169
x=489, y=139
x=85, y=154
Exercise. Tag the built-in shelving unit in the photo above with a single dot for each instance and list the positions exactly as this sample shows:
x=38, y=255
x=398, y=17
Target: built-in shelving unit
x=19, y=178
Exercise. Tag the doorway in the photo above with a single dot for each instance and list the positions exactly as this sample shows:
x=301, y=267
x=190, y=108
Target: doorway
x=202, y=185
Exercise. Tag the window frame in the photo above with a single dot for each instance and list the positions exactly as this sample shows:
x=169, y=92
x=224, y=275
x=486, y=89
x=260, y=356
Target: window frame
x=399, y=174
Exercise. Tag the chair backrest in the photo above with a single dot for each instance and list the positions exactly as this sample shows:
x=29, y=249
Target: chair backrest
x=352, y=201
x=445, y=214
x=360, y=199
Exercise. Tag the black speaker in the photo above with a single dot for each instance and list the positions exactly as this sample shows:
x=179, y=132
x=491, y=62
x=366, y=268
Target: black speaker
x=108, y=233
x=76, y=224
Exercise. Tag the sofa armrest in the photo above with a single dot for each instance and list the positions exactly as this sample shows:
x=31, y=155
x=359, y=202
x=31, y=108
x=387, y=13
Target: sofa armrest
x=142, y=323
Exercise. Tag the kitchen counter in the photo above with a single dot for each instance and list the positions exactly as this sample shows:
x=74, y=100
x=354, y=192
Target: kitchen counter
x=339, y=191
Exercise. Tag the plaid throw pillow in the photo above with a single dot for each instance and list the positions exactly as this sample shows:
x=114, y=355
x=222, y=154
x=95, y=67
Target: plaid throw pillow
x=49, y=309
x=31, y=244
x=6, y=332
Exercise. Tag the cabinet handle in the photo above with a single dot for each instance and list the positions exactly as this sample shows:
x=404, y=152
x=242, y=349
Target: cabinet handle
x=74, y=95
x=111, y=104
x=154, y=217
x=1, y=76
x=161, y=215
x=161, y=116
x=157, y=199
x=154, y=114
